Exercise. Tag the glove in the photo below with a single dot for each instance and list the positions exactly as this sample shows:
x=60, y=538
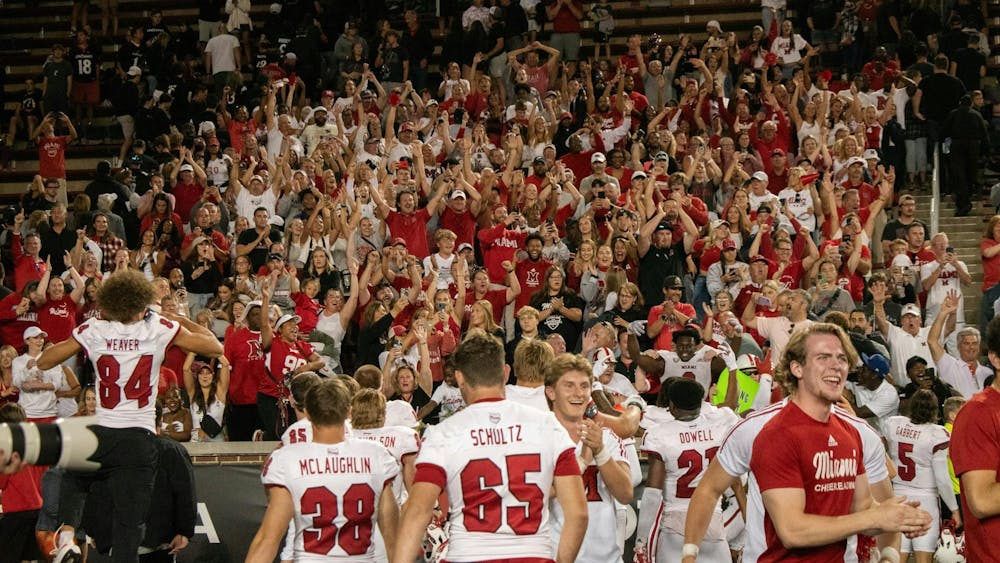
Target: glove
x=178, y=426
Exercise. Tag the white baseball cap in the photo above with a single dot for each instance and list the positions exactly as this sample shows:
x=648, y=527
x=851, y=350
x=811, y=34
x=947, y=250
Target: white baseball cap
x=33, y=331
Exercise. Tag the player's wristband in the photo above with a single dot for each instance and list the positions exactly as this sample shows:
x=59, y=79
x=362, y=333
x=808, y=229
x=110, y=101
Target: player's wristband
x=637, y=401
x=691, y=550
x=890, y=554
x=604, y=456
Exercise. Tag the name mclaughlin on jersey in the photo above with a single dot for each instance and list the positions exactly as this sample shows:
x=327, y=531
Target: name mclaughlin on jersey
x=334, y=464
x=495, y=436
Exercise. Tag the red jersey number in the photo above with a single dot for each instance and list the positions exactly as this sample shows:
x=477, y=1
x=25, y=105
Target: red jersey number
x=590, y=483
x=138, y=388
x=907, y=469
x=484, y=510
x=355, y=536
x=694, y=462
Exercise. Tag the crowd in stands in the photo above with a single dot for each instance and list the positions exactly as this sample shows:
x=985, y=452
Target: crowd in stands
x=740, y=187
x=327, y=194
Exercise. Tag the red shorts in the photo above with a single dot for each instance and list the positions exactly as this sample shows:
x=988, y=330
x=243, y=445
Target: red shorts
x=88, y=93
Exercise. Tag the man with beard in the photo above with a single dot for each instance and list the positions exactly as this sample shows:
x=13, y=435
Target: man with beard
x=318, y=130
x=794, y=304
x=530, y=270
x=688, y=360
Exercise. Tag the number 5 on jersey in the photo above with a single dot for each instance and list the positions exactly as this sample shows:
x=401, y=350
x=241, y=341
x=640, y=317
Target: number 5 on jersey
x=484, y=508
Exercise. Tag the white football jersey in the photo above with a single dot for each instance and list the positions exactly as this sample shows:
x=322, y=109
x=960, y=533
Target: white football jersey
x=686, y=448
x=298, y=432
x=401, y=442
x=497, y=460
x=737, y=449
x=335, y=489
x=698, y=368
x=529, y=396
x=400, y=413
x=912, y=447
x=127, y=359
x=600, y=544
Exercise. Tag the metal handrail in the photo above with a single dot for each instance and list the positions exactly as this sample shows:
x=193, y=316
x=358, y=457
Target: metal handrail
x=935, y=190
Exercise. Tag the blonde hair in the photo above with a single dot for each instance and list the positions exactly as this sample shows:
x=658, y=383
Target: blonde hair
x=368, y=409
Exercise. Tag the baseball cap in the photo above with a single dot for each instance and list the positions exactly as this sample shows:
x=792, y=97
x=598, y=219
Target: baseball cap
x=406, y=126
x=291, y=56
x=367, y=94
x=198, y=240
x=285, y=318
x=661, y=156
x=196, y=367
x=720, y=222
x=673, y=282
x=713, y=23
x=399, y=240
x=639, y=174
x=760, y=175
x=458, y=194
x=664, y=226
x=464, y=246
x=877, y=363
x=910, y=309
x=729, y=244
x=431, y=102
x=855, y=160
x=598, y=157
x=871, y=153
x=33, y=331
x=778, y=152
x=764, y=209
x=760, y=258
x=538, y=160
x=246, y=310
x=275, y=256
x=318, y=109
x=327, y=94
x=187, y=168
x=134, y=71
x=275, y=8
x=565, y=115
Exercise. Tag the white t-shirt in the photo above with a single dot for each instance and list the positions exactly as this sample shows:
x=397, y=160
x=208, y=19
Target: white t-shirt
x=787, y=48
x=221, y=48
x=443, y=267
x=778, y=330
x=947, y=281
x=36, y=404
x=883, y=401
x=127, y=359
x=799, y=204
x=512, y=454
x=902, y=347
x=247, y=203
x=449, y=399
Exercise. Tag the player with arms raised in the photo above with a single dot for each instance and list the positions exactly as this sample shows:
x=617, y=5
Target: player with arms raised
x=919, y=448
x=679, y=451
x=332, y=487
x=126, y=346
x=498, y=462
x=600, y=453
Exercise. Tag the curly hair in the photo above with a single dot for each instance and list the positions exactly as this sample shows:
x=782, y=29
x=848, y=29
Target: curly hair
x=124, y=296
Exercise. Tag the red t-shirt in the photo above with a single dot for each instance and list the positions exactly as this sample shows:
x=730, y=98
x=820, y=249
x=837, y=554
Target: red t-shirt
x=58, y=318
x=496, y=297
x=564, y=20
x=246, y=356
x=867, y=193
x=665, y=340
x=529, y=275
x=308, y=309
x=412, y=228
x=12, y=325
x=237, y=131
x=22, y=491
x=790, y=277
x=499, y=244
x=52, y=157
x=975, y=446
x=463, y=225
x=282, y=358
x=824, y=459
x=185, y=198
x=991, y=266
